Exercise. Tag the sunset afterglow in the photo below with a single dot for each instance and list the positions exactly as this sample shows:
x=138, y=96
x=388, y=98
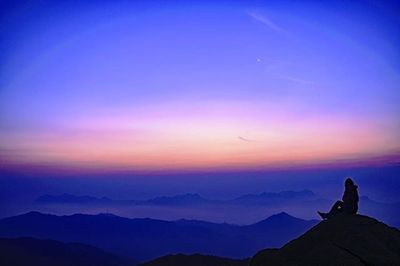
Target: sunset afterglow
x=198, y=87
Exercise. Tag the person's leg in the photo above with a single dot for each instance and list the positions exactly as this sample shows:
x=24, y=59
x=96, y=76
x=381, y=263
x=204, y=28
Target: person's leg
x=323, y=215
x=336, y=208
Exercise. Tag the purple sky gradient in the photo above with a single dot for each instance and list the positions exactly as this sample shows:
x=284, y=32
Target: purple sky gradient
x=194, y=86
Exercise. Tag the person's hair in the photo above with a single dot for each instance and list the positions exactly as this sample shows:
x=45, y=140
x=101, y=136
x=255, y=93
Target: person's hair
x=349, y=182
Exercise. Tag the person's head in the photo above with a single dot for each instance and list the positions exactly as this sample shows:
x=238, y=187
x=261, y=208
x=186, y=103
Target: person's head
x=349, y=183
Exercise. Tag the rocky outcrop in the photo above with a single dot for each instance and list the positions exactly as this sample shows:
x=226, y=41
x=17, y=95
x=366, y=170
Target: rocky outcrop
x=342, y=240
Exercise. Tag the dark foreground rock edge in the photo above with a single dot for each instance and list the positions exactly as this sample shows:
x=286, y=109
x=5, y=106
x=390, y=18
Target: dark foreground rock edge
x=195, y=260
x=342, y=240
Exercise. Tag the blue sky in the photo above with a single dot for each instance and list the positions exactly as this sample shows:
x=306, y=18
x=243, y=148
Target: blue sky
x=208, y=85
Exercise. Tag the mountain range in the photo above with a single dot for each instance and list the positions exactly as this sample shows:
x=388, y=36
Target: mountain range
x=145, y=239
x=180, y=200
x=301, y=203
x=342, y=240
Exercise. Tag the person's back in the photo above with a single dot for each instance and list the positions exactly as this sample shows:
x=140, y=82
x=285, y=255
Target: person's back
x=350, y=197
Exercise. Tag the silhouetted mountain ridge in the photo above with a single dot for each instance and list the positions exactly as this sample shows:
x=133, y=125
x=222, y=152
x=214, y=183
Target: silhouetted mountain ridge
x=73, y=199
x=145, y=239
x=299, y=202
x=180, y=199
x=271, y=197
x=183, y=199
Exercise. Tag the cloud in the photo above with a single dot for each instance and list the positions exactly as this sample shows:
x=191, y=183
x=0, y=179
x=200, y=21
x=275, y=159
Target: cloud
x=246, y=139
x=297, y=80
x=266, y=21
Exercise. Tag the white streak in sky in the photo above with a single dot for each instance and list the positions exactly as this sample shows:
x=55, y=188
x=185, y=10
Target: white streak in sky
x=297, y=80
x=266, y=21
x=246, y=139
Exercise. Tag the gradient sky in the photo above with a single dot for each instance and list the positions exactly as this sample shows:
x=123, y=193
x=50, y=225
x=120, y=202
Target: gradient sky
x=198, y=85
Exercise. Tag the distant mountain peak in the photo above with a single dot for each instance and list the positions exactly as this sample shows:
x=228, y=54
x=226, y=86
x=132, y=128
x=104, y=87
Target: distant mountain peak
x=36, y=213
x=281, y=215
x=283, y=219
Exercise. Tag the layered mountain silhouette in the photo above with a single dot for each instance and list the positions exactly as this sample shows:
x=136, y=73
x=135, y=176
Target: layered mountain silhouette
x=181, y=200
x=267, y=198
x=388, y=212
x=72, y=199
x=298, y=202
x=145, y=239
x=30, y=251
x=177, y=200
x=342, y=240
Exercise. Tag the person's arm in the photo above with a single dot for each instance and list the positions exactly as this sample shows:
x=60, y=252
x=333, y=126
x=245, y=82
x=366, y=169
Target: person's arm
x=346, y=196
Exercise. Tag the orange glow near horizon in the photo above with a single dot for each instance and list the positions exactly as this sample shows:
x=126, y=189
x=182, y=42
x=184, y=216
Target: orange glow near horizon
x=181, y=137
x=212, y=85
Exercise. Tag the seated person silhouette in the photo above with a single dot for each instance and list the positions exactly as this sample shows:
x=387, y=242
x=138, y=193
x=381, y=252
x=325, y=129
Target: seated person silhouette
x=349, y=203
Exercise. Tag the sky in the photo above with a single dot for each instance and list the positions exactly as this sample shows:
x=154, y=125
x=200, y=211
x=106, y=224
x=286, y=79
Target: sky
x=196, y=86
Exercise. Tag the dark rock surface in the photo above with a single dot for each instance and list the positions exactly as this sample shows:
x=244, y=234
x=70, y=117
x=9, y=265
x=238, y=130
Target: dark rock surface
x=342, y=240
